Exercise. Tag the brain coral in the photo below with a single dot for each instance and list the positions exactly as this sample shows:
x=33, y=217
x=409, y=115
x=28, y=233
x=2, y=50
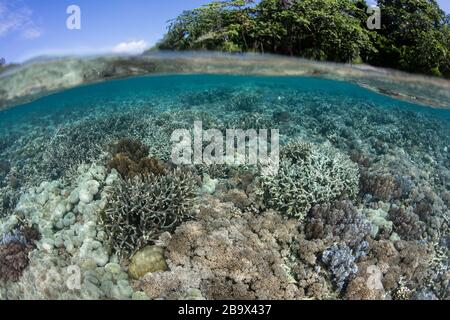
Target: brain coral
x=308, y=175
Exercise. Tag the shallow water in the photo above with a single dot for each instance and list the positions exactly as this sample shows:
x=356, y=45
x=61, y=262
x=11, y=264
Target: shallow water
x=401, y=150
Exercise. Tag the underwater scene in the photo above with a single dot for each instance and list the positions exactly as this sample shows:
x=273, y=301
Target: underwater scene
x=159, y=187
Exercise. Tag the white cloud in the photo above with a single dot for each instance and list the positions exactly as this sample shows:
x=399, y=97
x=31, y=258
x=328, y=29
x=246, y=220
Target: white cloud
x=32, y=33
x=16, y=17
x=131, y=47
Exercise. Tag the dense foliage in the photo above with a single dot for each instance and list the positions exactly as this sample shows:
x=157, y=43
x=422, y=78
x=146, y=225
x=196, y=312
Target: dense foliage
x=415, y=34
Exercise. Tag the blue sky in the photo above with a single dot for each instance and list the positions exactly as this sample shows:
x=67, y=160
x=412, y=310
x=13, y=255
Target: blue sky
x=35, y=27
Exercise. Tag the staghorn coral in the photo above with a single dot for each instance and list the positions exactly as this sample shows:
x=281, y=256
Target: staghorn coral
x=245, y=101
x=85, y=141
x=8, y=200
x=139, y=210
x=308, y=175
x=251, y=120
x=208, y=96
x=227, y=254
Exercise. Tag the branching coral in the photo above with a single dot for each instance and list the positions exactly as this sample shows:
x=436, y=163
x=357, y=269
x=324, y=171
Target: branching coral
x=8, y=200
x=206, y=96
x=308, y=175
x=251, y=120
x=85, y=141
x=246, y=101
x=141, y=209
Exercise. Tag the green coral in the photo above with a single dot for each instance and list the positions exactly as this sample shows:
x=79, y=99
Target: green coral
x=308, y=175
x=149, y=259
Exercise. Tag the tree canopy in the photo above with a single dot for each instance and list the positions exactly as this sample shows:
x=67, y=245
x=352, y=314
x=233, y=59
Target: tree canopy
x=414, y=36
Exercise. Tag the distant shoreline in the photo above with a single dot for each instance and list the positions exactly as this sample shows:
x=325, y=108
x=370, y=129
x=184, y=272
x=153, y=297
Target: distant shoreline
x=35, y=79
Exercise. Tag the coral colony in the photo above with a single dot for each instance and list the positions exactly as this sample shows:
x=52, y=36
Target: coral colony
x=223, y=187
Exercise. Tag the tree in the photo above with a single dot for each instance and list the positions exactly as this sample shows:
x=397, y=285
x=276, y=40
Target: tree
x=415, y=34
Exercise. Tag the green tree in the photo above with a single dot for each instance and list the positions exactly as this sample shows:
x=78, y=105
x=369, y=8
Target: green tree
x=412, y=36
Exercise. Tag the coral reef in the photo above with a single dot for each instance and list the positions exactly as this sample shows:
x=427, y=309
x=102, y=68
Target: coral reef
x=130, y=159
x=227, y=254
x=72, y=259
x=339, y=221
x=130, y=148
x=13, y=260
x=406, y=223
x=14, y=248
x=91, y=206
x=141, y=209
x=308, y=175
x=341, y=262
x=385, y=188
x=247, y=101
x=147, y=260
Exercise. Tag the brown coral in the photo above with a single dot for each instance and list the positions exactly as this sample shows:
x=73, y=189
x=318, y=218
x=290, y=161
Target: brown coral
x=130, y=159
x=14, y=252
x=128, y=168
x=406, y=223
x=381, y=187
x=358, y=289
x=130, y=148
x=338, y=221
x=31, y=234
x=13, y=260
x=227, y=254
x=403, y=264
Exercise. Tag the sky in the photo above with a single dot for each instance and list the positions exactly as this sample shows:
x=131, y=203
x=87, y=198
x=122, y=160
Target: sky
x=30, y=28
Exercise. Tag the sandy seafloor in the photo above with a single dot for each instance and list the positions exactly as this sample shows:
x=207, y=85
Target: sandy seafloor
x=91, y=206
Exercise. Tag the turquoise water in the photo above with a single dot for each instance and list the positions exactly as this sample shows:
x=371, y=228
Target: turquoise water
x=149, y=88
x=397, y=155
